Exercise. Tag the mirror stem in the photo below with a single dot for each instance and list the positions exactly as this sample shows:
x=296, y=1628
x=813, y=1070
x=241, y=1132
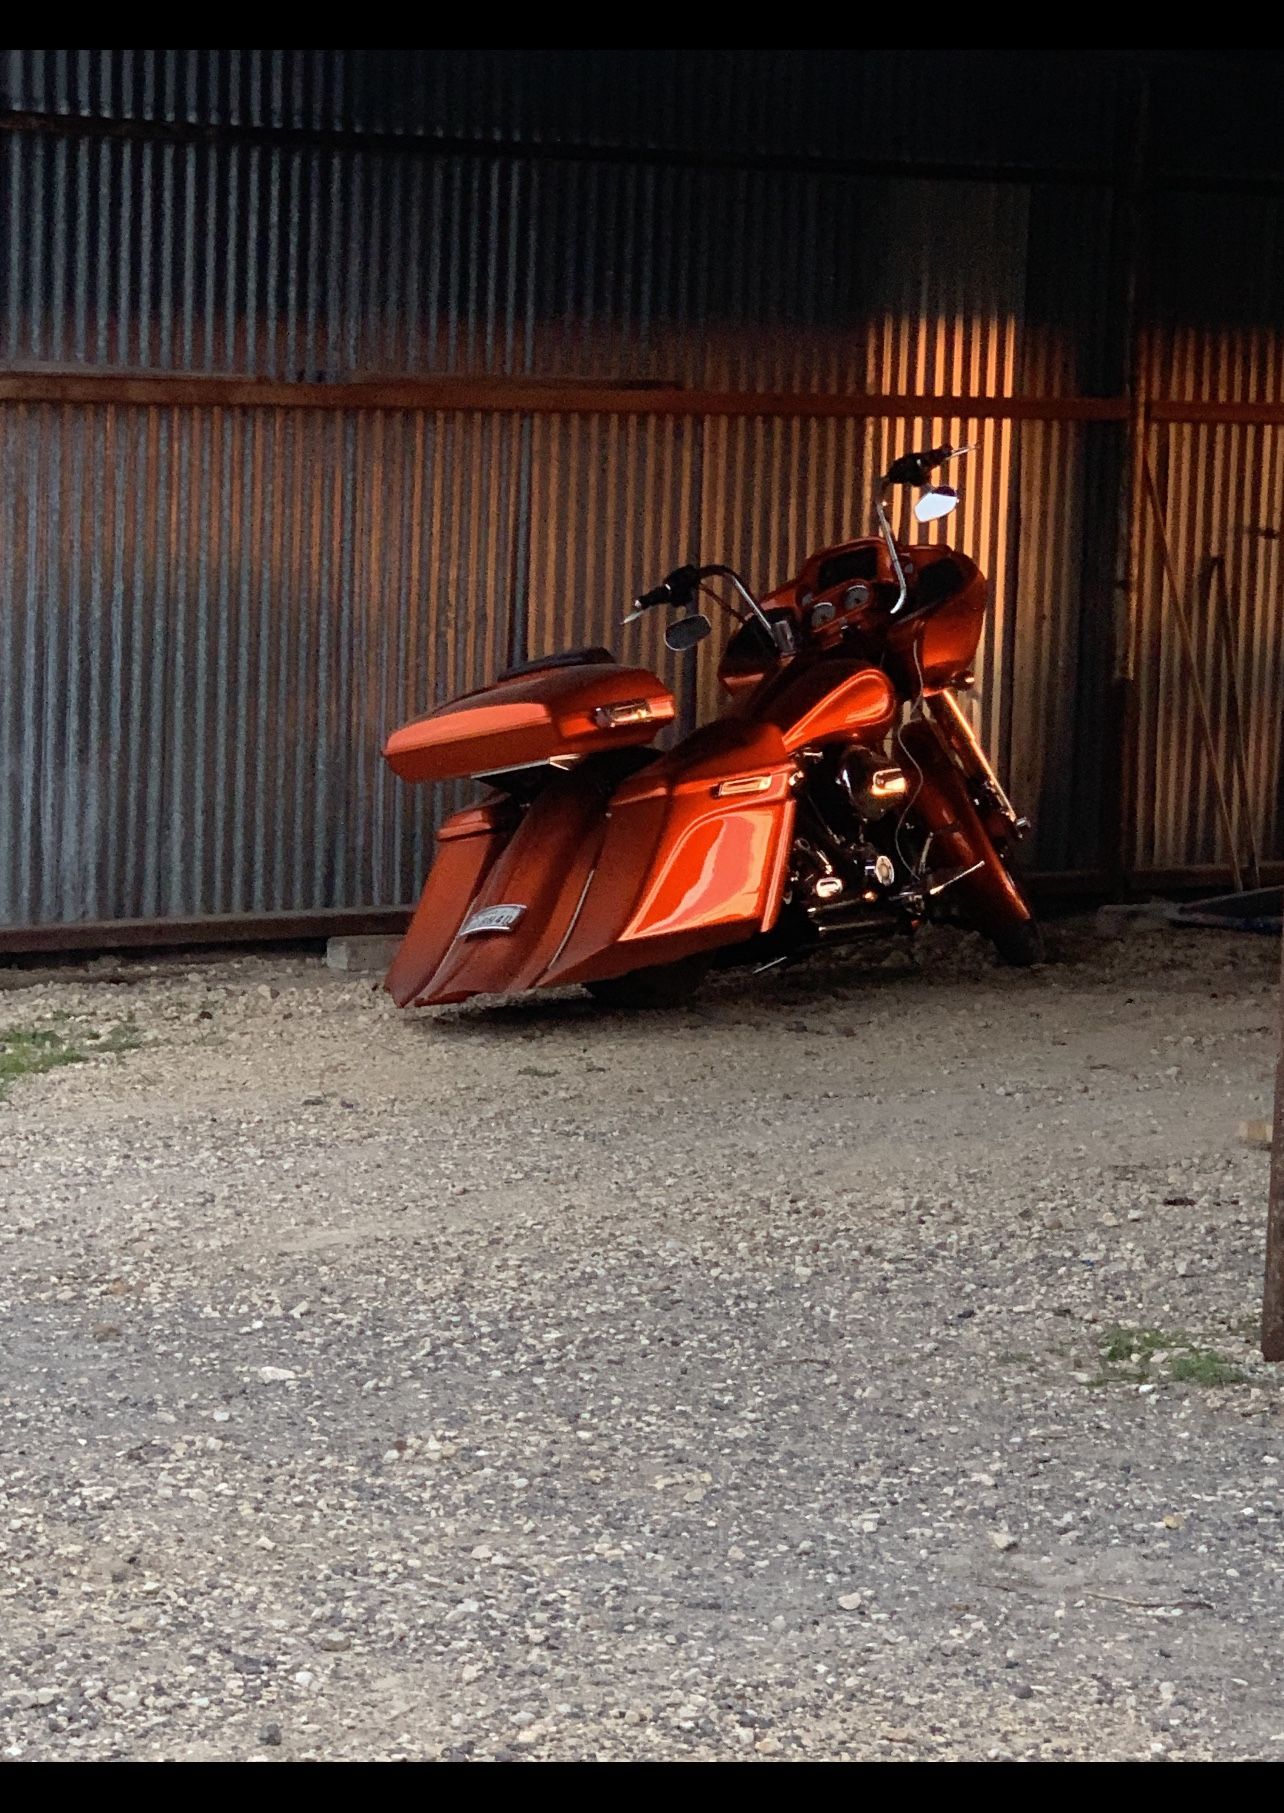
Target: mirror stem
x=885, y=529
x=747, y=595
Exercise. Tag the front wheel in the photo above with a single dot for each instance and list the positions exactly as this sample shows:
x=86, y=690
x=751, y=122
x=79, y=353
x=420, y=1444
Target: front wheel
x=1020, y=943
x=989, y=897
x=663, y=985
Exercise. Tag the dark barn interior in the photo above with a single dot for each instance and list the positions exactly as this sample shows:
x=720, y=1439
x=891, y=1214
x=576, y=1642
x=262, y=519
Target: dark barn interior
x=332, y=380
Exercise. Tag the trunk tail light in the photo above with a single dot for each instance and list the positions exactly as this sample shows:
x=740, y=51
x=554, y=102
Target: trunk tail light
x=633, y=711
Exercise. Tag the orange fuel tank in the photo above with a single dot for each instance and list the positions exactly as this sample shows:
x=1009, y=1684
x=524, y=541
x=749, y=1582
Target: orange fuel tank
x=836, y=696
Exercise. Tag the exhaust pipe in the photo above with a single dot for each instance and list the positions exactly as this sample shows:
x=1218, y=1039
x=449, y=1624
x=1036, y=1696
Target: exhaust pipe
x=844, y=920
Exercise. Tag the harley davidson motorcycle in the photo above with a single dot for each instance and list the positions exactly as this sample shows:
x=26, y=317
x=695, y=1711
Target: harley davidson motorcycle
x=842, y=792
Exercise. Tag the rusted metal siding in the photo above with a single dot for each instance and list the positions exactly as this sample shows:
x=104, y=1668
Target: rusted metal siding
x=329, y=265
x=213, y=614
x=1067, y=503
x=614, y=505
x=901, y=106
x=1222, y=492
x=210, y=619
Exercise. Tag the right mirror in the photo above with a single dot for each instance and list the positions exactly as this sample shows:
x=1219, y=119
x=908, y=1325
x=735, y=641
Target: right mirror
x=937, y=502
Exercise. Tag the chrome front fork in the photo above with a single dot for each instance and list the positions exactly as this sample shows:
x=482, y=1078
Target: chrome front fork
x=961, y=724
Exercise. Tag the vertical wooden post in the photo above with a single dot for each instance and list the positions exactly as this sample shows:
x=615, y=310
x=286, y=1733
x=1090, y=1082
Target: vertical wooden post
x=1273, y=1294
x=1133, y=228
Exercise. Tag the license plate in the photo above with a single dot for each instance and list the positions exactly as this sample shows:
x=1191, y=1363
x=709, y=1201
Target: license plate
x=492, y=919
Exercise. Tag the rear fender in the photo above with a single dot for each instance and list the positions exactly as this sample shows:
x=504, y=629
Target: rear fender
x=467, y=846
x=542, y=870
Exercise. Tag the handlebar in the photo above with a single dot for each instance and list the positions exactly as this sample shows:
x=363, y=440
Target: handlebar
x=678, y=589
x=914, y=468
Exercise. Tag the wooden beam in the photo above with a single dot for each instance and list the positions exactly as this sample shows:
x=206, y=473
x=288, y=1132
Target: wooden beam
x=563, y=396
x=332, y=922
x=1175, y=409
x=523, y=396
x=231, y=928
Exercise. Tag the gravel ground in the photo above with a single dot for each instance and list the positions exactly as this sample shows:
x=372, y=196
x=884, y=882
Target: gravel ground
x=860, y=1363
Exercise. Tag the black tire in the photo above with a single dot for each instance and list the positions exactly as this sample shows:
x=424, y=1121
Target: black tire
x=1020, y=944
x=664, y=985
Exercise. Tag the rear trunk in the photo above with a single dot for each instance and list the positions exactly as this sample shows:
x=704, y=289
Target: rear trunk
x=556, y=711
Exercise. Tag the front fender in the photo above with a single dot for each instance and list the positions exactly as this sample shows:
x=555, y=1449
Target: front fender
x=942, y=805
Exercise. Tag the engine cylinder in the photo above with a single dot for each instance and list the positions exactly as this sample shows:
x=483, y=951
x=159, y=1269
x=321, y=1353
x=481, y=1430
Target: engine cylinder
x=873, y=785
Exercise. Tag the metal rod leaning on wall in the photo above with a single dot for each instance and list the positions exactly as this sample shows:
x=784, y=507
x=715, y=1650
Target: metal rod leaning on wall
x=1196, y=684
x=1128, y=632
x=1217, y=599
x=1273, y=1290
x=1131, y=228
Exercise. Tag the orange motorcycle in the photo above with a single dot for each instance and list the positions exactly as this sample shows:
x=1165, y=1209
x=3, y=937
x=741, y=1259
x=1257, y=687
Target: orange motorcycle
x=842, y=791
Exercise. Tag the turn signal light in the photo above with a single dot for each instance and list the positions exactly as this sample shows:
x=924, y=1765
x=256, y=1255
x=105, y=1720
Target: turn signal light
x=747, y=783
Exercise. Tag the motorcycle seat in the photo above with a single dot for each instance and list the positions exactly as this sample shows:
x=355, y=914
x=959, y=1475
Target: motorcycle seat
x=569, y=657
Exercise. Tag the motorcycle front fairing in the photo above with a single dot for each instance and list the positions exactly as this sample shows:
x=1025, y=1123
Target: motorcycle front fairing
x=686, y=855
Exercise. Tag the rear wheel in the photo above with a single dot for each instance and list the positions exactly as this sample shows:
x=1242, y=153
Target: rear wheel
x=663, y=985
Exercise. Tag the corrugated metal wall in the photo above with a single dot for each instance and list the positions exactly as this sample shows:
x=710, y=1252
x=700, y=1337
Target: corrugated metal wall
x=1222, y=488
x=211, y=617
x=210, y=614
x=694, y=104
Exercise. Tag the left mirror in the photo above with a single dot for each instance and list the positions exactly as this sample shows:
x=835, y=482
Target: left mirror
x=937, y=502
x=685, y=632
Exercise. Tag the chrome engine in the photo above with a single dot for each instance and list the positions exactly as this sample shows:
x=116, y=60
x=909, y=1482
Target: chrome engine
x=845, y=868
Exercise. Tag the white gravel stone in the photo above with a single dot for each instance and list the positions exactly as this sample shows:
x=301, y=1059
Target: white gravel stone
x=478, y=1380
